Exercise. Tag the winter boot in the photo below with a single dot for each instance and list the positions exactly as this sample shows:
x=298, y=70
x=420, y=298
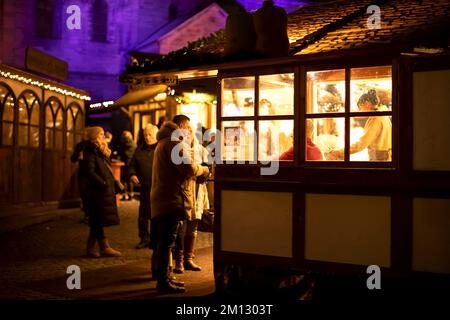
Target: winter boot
x=90, y=248
x=189, y=244
x=178, y=262
x=106, y=250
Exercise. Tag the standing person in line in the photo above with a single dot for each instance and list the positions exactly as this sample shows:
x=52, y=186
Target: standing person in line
x=187, y=235
x=140, y=172
x=101, y=195
x=77, y=156
x=126, y=151
x=171, y=195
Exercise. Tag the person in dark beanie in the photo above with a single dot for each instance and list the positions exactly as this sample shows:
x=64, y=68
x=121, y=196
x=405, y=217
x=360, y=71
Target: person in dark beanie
x=101, y=193
x=140, y=172
x=171, y=195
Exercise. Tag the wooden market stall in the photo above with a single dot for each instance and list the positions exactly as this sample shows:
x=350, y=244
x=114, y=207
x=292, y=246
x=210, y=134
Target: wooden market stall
x=41, y=121
x=333, y=205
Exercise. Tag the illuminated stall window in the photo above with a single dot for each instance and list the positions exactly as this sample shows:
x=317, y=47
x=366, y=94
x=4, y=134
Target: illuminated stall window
x=270, y=120
x=54, y=125
x=366, y=117
x=29, y=114
x=238, y=97
x=238, y=140
x=7, y=103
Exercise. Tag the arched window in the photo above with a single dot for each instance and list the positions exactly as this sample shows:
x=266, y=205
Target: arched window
x=53, y=124
x=79, y=125
x=29, y=115
x=48, y=18
x=75, y=125
x=99, y=14
x=7, y=103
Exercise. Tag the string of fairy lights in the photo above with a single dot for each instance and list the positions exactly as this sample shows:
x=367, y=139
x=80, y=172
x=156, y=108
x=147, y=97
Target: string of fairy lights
x=40, y=84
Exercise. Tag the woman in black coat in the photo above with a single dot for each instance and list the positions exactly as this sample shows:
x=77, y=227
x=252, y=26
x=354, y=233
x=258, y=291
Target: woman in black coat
x=101, y=195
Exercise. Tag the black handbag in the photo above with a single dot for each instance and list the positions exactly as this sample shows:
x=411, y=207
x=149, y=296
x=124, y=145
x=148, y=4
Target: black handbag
x=206, y=224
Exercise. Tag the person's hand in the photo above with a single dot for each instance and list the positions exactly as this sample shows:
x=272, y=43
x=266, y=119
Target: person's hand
x=335, y=155
x=134, y=179
x=80, y=156
x=205, y=171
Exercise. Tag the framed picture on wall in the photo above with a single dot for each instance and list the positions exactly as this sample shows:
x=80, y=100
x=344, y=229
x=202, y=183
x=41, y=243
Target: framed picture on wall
x=232, y=136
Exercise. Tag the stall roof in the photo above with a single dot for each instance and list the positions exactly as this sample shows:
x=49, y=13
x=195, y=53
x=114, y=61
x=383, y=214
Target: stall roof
x=138, y=96
x=330, y=27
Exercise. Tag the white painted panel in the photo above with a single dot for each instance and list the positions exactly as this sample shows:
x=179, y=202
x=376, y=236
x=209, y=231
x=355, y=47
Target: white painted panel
x=256, y=222
x=348, y=229
x=431, y=235
x=432, y=120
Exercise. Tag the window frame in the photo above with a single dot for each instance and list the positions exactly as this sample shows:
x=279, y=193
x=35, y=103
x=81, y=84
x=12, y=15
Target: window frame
x=347, y=115
x=256, y=118
x=9, y=93
x=54, y=111
x=78, y=116
x=300, y=82
x=30, y=110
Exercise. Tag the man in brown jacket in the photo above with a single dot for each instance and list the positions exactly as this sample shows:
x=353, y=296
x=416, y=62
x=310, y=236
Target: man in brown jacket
x=171, y=193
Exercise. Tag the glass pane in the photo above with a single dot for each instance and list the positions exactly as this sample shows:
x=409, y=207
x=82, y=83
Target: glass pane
x=69, y=119
x=69, y=136
x=238, y=140
x=31, y=98
x=75, y=110
x=276, y=94
x=3, y=93
x=49, y=117
x=7, y=136
x=238, y=96
x=325, y=139
x=23, y=135
x=325, y=91
x=35, y=113
x=371, y=138
x=80, y=122
x=23, y=111
x=59, y=119
x=371, y=89
x=58, y=140
x=8, y=109
x=34, y=136
x=276, y=140
x=48, y=138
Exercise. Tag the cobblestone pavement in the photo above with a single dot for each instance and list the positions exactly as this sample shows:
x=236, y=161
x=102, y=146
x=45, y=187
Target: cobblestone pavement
x=44, y=251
